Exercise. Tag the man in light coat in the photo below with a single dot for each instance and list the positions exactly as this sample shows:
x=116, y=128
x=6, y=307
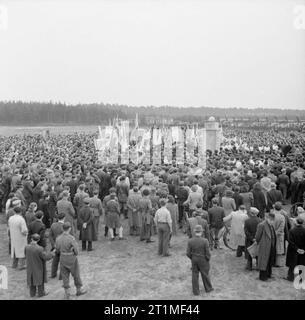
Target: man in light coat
x=279, y=227
x=18, y=233
x=237, y=234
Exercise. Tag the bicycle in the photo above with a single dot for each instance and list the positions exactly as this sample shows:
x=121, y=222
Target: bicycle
x=224, y=234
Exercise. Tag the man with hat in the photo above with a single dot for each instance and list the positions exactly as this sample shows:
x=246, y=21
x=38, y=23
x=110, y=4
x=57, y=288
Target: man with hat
x=85, y=221
x=266, y=239
x=67, y=247
x=250, y=228
x=55, y=231
x=36, y=259
x=296, y=248
x=105, y=201
x=199, y=253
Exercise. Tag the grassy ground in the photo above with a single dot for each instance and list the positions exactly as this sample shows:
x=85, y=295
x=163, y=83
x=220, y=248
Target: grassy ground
x=132, y=270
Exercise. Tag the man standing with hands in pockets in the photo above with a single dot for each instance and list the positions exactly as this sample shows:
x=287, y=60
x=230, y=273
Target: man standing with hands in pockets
x=163, y=222
x=199, y=253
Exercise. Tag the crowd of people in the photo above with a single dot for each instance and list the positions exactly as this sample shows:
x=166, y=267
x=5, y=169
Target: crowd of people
x=55, y=191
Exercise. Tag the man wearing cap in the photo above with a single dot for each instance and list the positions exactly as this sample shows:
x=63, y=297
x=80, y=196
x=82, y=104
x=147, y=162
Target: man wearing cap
x=163, y=222
x=36, y=259
x=199, y=253
x=67, y=247
x=85, y=220
x=65, y=206
x=296, y=248
x=18, y=233
x=250, y=228
x=55, y=231
x=266, y=239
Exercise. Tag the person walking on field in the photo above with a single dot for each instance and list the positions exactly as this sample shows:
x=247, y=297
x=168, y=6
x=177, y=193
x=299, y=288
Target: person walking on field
x=199, y=253
x=67, y=248
x=163, y=221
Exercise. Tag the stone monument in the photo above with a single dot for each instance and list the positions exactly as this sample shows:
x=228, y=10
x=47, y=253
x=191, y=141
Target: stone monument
x=213, y=134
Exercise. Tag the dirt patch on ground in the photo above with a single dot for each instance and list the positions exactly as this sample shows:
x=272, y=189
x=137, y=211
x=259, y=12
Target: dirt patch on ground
x=132, y=270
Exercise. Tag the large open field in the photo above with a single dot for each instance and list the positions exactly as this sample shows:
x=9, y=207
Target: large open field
x=12, y=130
x=132, y=270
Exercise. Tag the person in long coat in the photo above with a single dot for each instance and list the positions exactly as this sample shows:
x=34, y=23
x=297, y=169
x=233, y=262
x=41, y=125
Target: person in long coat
x=18, y=233
x=237, y=234
x=296, y=248
x=279, y=227
x=250, y=229
x=266, y=239
x=146, y=217
x=85, y=220
x=36, y=259
x=133, y=206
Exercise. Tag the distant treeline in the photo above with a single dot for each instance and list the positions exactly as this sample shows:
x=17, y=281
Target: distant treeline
x=35, y=113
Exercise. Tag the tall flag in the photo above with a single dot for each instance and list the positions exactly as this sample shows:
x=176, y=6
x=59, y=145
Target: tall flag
x=168, y=146
x=157, y=141
x=202, y=148
x=133, y=143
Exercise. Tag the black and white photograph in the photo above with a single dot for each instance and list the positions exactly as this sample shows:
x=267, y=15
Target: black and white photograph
x=152, y=151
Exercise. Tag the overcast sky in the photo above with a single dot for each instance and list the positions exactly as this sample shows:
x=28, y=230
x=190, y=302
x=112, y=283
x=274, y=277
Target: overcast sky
x=161, y=52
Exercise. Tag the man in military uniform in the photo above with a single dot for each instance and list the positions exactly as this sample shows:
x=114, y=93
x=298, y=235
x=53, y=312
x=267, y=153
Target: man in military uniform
x=55, y=231
x=105, y=201
x=199, y=253
x=67, y=247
